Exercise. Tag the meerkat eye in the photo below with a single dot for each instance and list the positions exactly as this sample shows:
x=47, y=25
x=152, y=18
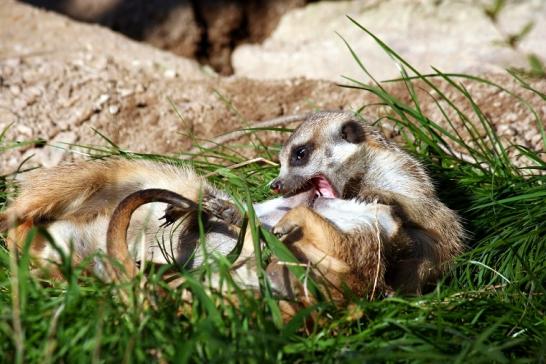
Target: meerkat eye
x=299, y=155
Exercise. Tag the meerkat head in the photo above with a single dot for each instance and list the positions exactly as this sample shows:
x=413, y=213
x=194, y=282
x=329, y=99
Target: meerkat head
x=317, y=153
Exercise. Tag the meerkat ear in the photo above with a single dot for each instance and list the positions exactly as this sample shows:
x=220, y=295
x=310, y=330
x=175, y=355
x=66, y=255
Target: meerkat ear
x=353, y=132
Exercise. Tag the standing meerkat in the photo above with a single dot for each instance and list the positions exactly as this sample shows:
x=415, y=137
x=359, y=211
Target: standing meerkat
x=342, y=158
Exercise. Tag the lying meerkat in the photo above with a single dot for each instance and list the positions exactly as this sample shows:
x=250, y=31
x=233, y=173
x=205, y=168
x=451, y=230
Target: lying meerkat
x=348, y=165
x=75, y=203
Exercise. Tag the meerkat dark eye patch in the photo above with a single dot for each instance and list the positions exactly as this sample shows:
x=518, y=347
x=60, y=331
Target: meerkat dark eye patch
x=353, y=132
x=299, y=155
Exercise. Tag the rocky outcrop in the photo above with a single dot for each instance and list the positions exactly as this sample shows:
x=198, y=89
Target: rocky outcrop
x=454, y=36
x=205, y=30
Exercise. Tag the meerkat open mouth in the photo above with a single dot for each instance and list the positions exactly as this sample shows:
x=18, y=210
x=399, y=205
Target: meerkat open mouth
x=310, y=191
x=323, y=187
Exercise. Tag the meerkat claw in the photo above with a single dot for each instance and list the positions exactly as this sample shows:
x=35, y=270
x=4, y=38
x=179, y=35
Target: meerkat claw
x=284, y=230
x=222, y=209
x=173, y=213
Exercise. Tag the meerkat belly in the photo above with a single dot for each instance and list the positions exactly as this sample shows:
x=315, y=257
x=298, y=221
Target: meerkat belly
x=77, y=241
x=350, y=215
x=269, y=212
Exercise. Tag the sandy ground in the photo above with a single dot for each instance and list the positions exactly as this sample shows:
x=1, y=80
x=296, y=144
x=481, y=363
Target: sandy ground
x=61, y=81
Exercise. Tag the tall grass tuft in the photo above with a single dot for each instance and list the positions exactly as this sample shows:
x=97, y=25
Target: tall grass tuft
x=489, y=308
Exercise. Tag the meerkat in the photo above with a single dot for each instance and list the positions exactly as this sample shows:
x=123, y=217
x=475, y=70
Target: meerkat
x=342, y=158
x=75, y=202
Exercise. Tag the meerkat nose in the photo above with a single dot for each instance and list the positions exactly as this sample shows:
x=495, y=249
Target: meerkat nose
x=276, y=185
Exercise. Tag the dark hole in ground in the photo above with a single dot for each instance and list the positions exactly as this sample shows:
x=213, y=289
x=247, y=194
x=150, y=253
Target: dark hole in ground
x=205, y=30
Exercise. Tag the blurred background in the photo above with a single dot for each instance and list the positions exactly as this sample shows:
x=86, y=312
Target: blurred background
x=131, y=68
x=295, y=38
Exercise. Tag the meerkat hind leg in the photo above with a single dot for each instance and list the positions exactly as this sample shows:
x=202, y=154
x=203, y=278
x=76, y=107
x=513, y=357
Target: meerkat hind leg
x=314, y=241
x=303, y=225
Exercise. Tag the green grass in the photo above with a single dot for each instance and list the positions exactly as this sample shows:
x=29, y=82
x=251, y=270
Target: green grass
x=489, y=308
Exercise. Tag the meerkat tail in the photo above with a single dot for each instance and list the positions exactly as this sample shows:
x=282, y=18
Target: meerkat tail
x=116, y=236
x=50, y=194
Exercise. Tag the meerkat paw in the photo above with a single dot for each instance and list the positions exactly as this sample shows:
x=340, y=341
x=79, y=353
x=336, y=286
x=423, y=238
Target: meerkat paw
x=222, y=209
x=285, y=228
x=173, y=213
x=292, y=224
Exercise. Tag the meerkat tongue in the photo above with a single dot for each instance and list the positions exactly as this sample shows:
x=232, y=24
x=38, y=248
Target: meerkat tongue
x=323, y=187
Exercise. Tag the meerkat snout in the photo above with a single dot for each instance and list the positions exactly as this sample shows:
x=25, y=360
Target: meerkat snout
x=276, y=185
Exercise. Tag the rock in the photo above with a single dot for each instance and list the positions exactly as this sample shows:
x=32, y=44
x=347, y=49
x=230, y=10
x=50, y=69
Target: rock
x=454, y=36
x=103, y=99
x=56, y=32
x=170, y=73
x=113, y=109
x=15, y=90
x=220, y=27
x=171, y=27
x=206, y=30
x=24, y=131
